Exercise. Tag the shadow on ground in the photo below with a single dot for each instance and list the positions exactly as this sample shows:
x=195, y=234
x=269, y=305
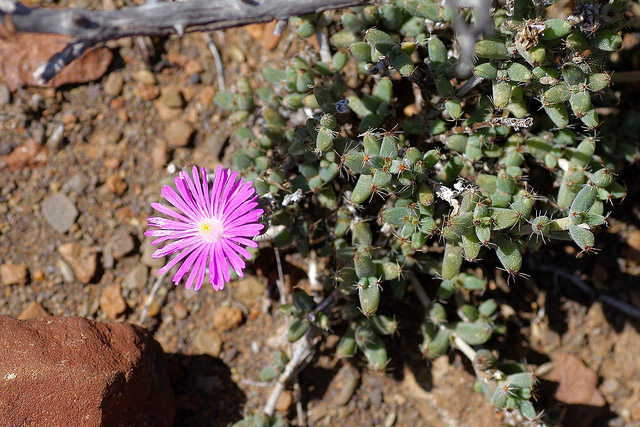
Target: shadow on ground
x=205, y=393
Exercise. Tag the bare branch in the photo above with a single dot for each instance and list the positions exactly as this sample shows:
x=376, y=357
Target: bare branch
x=92, y=27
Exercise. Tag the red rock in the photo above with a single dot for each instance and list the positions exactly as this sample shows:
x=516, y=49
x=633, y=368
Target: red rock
x=69, y=371
x=116, y=184
x=179, y=133
x=33, y=311
x=284, y=401
x=38, y=275
x=226, y=318
x=578, y=388
x=82, y=260
x=13, y=274
x=147, y=92
x=263, y=33
x=112, y=302
x=18, y=63
x=29, y=154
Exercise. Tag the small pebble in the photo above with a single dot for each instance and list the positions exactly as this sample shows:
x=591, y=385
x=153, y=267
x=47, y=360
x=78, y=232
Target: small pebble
x=59, y=212
x=116, y=184
x=172, y=97
x=147, y=254
x=137, y=277
x=113, y=84
x=227, y=318
x=38, y=275
x=66, y=271
x=33, y=311
x=14, y=274
x=144, y=76
x=208, y=342
x=82, y=260
x=5, y=95
x=159, y=155
x=180, y=311
x=179, y=133
x=122, y=243
x=284, y=401
x=77, y=183
x=112, y=302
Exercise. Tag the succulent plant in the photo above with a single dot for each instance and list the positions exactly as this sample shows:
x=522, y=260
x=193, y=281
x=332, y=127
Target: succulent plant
x=391, y=159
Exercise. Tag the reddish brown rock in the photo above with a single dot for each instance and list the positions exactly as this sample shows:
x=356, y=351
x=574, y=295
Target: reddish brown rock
x=83, y=260
x=69, y=371
x=33, y=311
x=18, y=63
x=179, y=133
x=28, y=154
x=14, y=274
x=116, y=184
x=226, y=318
x=578, y=389
x=112, y=302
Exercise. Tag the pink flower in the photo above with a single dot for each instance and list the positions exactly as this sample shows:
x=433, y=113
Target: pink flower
x=213, y=226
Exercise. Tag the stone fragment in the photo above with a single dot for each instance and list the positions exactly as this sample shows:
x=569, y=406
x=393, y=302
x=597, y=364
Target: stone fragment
x=38, y=275
x=179, y=133
x=147, y=92
x=113, y=84
x=578, y=388
x=342, y=386
x=5, y=95
x=77, y=183
x=154, y=307
x=193, y=67
x=249, y=289
x=284, y=401
x=145, y=77
x=137, y=277
x=263, y=33
x=116, y=184
x=172, y=97
x=180, y=311
x=159, y=155
x=633, y=239
x=33, y=311
x=147, y=254
x=82, y=260
x=166, y=113
x=122, y=243
x=59, y=212
x=112, y=302
x=66, y=271
x=208, y=342
x=29, y=154
x=226, y=318
x=68, y=371
x=14, y=274
x=18, y=63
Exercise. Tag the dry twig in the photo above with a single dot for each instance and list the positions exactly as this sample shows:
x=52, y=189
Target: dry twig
x=89, y=28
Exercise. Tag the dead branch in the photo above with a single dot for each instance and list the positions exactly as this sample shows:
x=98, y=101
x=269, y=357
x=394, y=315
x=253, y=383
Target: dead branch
x=92, y=27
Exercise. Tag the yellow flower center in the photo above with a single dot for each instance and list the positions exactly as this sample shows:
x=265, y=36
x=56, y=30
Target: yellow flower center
x=211, y=229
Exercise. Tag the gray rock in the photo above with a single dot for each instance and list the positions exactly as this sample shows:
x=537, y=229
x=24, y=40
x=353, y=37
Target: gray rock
x=5, y=95
x=108, y=262
x=65, y=270
x=122, y=243
x=59, y=212
x=77, y=183
x=137, y=277
x=147, y=252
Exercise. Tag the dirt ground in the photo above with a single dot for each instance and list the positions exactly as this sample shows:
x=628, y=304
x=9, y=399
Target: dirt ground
x=109, y=145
